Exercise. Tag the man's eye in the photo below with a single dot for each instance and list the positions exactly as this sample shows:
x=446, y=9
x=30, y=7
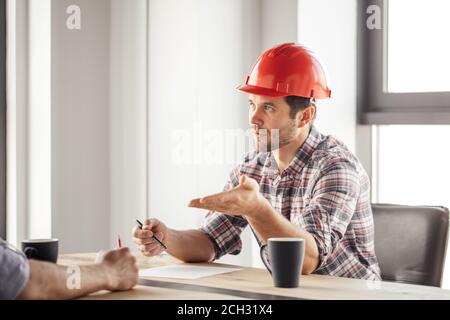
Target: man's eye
x=268, y=108
x=251, y=106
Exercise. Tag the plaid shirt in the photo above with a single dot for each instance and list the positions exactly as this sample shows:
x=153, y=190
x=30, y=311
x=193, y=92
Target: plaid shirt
x=324, y=191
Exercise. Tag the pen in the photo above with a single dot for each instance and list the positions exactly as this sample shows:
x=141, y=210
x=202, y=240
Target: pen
x=119, y=242
x=140, y=227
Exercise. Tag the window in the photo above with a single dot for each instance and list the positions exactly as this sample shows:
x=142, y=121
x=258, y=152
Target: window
x=418, y=60
x=403, y=65
x=404, y=89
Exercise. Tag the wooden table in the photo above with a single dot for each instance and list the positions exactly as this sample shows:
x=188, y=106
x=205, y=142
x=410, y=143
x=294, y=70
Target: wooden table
x=255, y=283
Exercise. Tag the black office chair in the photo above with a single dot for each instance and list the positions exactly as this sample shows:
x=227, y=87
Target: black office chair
x=411, y=242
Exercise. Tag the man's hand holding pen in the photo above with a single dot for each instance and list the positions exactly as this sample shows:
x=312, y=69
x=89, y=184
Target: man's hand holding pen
x=145, y=237
x=121, y=269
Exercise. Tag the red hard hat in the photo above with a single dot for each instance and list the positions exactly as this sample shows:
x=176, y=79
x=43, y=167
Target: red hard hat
x=288, y=69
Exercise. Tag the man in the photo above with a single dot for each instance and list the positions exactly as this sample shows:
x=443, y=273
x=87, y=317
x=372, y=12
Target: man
x=303, y=184
x=31, y=279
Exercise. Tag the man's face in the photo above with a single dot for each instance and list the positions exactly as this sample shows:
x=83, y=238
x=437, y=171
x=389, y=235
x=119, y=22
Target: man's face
x=270, y=121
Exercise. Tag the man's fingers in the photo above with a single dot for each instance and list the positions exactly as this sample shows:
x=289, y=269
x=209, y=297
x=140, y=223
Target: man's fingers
x=151, y=249
x=194, y=203
x=148, y=247
x=147, y=225
x=218, y=207
x=198, y=203
x=150, y=224
x=140, y=241
x=147, y=254
x=247, y=182
x=136, y=232
x=159, y=235
x=151, y=254
x=137, y=240
x=205, y=201
x=224, y=200
x=142, y=234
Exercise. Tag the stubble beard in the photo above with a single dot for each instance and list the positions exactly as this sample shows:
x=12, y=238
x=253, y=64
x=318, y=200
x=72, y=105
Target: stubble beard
x=271, y=140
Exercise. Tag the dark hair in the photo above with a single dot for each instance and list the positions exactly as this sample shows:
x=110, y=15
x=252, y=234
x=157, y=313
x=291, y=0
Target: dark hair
x=297, y=104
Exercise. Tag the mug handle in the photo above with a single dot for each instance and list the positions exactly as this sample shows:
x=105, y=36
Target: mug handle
x=263, y=258
x=30, y=252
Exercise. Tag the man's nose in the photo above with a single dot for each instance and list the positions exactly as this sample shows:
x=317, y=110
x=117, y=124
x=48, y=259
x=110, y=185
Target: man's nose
x=255, y=118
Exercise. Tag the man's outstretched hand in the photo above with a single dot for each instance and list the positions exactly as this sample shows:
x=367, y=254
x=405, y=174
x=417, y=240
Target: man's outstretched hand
x=244, y=199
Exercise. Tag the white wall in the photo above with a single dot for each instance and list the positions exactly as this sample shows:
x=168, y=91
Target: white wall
x=279, y=22
x=329, y=28
x=80, y=127
x=128, y=112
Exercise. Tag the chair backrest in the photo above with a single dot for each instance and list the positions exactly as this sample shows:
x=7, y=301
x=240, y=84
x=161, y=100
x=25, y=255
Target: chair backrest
x=411, y=242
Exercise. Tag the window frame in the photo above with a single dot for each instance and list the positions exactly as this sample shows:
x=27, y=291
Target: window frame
x=375, y=106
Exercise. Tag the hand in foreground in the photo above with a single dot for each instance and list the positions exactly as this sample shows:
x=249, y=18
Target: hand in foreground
x=121, y=269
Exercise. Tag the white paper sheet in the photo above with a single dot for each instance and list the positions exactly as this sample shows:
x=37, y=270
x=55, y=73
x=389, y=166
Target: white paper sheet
x=184, y=271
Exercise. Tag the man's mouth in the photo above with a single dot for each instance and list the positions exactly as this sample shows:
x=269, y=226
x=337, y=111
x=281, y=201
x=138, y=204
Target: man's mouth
x=261, y=135
x=261, y=132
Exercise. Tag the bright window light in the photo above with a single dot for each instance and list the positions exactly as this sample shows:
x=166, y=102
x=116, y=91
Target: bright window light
x=418, y=49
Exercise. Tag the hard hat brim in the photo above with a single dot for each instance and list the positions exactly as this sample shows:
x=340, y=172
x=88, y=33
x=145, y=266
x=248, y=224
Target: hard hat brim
x=260, y=91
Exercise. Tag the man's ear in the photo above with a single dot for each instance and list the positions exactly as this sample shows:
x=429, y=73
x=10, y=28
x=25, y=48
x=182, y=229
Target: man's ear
x=305, y=116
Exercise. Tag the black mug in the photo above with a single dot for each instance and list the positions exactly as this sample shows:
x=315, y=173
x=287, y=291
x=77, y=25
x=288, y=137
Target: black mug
x=285, y=260
x=41, y=249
